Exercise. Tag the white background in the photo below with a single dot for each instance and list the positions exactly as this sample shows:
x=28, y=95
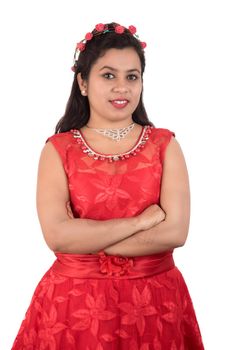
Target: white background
x=189, y=89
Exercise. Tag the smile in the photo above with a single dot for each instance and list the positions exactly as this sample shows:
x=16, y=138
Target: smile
x=119, y=103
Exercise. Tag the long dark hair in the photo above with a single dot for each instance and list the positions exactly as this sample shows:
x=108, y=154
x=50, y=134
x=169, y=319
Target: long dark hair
x=77, y=109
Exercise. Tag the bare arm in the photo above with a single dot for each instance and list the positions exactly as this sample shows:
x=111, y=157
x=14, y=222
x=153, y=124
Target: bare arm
x=175, y=201
x=77, y=235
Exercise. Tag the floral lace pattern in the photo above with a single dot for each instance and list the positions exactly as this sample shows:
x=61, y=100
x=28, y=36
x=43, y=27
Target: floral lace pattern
x=152, y=312
x=115, y=189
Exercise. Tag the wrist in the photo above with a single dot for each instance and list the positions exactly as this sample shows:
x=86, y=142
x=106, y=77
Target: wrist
x=137, y=223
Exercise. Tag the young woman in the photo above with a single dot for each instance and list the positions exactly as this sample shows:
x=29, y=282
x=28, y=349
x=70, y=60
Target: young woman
x=113, y=202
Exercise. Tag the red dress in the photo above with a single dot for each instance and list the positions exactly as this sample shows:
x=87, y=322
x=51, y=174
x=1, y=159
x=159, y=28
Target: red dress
x=105, y=302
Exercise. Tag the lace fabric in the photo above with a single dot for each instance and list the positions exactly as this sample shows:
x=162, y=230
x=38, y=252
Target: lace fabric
x=101, y=302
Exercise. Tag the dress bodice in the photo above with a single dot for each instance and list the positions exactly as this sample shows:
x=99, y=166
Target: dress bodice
x=117, y=186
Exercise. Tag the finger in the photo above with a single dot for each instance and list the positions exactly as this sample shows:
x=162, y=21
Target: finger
x=69, y=210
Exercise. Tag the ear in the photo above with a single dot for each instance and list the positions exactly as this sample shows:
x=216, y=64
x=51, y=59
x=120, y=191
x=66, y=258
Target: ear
x=81, y=82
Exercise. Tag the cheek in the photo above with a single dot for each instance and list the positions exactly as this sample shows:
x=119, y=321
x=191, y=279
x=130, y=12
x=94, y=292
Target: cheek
x=137, y=90
x=97, y=95
x=98, y=89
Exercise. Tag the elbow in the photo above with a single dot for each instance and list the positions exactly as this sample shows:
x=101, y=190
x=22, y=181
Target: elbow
x=52, y=244
x=180, y=237
x=52, y=240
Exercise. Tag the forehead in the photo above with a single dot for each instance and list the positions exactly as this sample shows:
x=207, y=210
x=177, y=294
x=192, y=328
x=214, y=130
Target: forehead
x=126, y=59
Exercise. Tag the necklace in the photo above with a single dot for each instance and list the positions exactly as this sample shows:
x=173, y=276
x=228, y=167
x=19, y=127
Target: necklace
x=114, y=134
x=86, y=149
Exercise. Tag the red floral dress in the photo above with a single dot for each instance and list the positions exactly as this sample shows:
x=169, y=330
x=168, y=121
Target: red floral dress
x=104, y=302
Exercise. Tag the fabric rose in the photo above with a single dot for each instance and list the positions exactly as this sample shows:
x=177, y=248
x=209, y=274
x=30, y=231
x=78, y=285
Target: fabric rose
x=99, y=27
x=132, y=29
x=114, y=265
x=88, y=36
x=80, y=46
x=143, y=44
x=119, y=29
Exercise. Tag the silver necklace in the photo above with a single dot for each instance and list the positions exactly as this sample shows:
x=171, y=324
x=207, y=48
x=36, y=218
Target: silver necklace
x=114, y=134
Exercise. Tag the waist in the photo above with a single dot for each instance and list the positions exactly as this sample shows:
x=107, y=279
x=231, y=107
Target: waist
x=102, y=265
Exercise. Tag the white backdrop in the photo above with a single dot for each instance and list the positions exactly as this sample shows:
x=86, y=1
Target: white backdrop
x=189, y=89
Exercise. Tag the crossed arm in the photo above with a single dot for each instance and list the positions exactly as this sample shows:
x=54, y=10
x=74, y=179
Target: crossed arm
x=124, y=236
x=171, y=232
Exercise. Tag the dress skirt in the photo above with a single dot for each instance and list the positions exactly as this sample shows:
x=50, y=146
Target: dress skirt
x=106, y=302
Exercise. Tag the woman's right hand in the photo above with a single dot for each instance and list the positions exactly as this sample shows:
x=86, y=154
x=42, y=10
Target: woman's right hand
x=151, y=216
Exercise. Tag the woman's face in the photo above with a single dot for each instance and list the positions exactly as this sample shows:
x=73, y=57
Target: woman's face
x=113, y=88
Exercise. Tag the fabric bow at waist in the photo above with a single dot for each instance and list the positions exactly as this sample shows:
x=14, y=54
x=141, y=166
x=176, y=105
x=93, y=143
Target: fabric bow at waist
x=102, y=265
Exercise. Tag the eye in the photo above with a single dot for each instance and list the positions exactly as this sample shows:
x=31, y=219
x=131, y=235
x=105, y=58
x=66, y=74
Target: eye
x=108, y=76
x=132, y=77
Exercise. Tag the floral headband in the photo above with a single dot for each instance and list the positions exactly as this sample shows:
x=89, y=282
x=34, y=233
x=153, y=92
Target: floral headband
x=102, y=29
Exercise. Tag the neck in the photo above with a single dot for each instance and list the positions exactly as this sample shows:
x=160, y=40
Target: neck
x=89, y=125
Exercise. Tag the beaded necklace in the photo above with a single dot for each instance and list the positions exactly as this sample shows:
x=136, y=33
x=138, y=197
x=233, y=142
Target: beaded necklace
x=140, y=144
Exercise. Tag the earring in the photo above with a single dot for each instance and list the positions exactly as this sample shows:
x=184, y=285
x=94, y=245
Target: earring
x=83, y=92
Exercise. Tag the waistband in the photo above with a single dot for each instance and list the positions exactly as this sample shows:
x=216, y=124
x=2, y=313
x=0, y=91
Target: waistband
x=102, y=265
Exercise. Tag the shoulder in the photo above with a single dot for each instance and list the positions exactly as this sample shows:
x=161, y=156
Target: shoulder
x=162, y=136
x=165, y=139
x=61, y=141
x=63, y=137
x=162, y=133
x=58, y=144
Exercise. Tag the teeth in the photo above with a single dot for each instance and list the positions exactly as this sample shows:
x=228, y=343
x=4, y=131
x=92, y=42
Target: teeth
x=120, y=102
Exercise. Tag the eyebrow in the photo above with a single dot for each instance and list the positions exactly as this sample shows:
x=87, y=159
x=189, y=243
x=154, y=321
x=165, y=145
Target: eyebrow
x=115, y=70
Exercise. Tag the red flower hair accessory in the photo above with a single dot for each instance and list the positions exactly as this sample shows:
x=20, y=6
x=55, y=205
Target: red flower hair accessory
x=101, y=28
x=80, y=46
x=119, y=29
x=132, y=30
x=88, y=36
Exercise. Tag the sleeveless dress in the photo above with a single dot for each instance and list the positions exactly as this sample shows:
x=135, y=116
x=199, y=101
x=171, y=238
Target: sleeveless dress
x=106, y=302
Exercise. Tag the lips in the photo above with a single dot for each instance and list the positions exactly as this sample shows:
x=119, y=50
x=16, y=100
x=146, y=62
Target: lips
x=119, y=103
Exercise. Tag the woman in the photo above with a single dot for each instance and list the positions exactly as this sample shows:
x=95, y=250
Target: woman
x=113, y=203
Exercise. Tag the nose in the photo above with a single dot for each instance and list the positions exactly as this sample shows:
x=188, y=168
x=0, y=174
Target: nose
x=121, y=86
